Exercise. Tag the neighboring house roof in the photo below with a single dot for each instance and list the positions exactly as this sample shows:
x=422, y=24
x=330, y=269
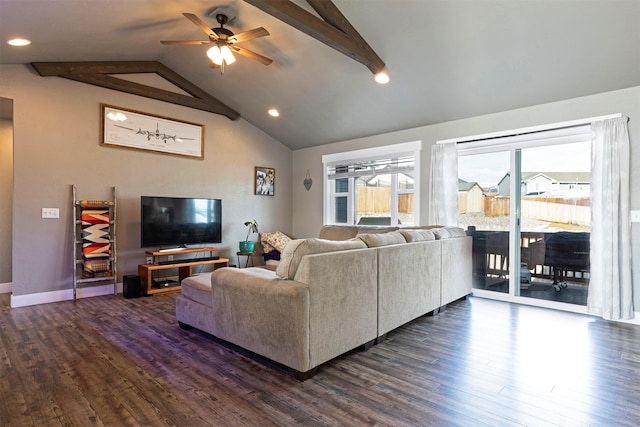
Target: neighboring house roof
x=505, y=177
x=466, y=185
x=560, y=177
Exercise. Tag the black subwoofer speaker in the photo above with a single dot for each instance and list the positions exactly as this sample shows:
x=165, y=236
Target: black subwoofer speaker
x=131, y=286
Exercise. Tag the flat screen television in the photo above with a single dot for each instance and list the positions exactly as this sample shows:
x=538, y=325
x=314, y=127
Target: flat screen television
x=179, y=221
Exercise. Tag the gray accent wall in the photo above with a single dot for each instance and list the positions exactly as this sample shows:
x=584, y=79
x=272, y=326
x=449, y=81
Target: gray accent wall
x=56, y=144
x=307, y=214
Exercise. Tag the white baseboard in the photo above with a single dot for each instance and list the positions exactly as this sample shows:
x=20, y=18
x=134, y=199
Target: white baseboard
x=5, y=288
x=634, y=321
x=63, y=295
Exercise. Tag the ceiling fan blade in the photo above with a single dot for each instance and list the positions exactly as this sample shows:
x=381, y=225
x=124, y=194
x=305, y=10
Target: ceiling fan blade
x=200, y=24
x=185, y=41
x=249, y=54
x=249, y=35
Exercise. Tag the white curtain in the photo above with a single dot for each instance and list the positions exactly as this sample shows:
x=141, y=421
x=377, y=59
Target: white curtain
x=610, y=286
x=443, y=185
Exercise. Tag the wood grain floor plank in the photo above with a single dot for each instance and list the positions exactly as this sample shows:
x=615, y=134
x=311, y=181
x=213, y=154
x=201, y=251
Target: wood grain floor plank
x=116, y=362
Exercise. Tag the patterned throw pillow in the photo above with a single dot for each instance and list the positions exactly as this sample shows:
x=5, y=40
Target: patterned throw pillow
x=266, y=248
x=278, y=240
x=275, y=240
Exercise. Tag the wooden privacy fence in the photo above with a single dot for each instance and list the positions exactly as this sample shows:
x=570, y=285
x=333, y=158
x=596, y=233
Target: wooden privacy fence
x=555, y=209
x=564, y=210
x=496, y=206
x=377, y=200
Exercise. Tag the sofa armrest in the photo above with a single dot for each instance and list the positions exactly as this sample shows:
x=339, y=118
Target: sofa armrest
x=456, y=269
x=343, y=301
x=254, y=309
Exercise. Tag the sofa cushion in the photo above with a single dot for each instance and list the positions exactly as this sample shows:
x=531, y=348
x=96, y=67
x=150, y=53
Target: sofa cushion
x=420, y=227
x=198, y=288
x=373, y=240
x=449, y=232
x=375, y=229
x=418, y=235
x=296, y=249
x=345, y=232
x=338, y=232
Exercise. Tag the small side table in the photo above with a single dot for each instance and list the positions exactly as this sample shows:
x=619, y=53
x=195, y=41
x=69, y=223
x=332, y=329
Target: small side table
x=249, y=260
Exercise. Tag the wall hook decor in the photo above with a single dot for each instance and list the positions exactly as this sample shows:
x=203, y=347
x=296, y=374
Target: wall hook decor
x=308, y=181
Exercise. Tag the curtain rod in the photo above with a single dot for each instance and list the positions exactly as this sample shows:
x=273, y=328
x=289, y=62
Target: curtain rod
x=529, y=130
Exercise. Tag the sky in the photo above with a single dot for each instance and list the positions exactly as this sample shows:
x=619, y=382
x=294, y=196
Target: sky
x=489, y=168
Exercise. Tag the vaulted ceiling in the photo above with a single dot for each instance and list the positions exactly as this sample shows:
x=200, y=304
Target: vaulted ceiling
x=447, y=59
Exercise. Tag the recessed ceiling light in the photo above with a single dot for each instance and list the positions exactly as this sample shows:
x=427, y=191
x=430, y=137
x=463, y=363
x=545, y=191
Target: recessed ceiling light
x=19, y=42
x=382, y=77
x=274, y=112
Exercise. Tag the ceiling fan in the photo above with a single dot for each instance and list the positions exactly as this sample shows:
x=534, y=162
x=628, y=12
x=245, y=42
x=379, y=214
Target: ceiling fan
x=224, y=41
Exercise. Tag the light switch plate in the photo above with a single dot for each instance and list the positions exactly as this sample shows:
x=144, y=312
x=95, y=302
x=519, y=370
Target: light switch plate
x=635, y=216
x=50, y=213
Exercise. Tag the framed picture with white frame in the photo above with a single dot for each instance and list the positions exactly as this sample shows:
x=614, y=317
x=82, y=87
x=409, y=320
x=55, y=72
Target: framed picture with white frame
x=124, y=128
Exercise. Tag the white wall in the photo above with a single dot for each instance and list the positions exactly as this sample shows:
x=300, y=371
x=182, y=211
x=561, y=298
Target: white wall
x=56, y=144
x=307, y=215
x=6, y=196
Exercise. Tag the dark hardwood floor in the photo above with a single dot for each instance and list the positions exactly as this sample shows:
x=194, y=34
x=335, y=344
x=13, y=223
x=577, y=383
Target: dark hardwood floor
x=125, y=362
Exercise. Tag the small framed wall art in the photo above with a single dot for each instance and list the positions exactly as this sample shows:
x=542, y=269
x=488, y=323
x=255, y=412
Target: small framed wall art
x=132, y=129
x=264, y=181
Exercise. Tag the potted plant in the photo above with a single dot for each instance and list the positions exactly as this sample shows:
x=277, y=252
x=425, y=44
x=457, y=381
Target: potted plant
x=247, y=245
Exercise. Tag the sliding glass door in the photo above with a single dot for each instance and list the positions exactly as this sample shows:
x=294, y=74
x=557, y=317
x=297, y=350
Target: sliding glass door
x=525, y=201
x=483, y=202
x=555, y=218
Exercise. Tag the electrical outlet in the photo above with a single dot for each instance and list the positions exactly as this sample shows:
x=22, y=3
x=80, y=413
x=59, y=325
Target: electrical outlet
x=50, y=213
x=149, y=260
x=635, y=216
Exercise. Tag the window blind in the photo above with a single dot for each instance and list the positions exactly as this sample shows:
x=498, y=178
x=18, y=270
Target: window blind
x=401, y=164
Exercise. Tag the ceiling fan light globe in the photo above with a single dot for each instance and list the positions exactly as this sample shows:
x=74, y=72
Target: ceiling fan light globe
x=227, y=55
x=215, y=55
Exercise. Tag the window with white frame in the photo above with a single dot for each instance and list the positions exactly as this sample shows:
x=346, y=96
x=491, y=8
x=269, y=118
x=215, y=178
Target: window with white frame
x=376, y=186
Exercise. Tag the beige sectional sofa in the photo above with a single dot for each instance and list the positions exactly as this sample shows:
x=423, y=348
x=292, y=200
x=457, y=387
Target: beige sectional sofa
x=330, y=295
x=414, y=279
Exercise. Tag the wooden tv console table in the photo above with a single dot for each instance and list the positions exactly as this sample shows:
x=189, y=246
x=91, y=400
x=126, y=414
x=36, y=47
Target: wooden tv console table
x=145, y=271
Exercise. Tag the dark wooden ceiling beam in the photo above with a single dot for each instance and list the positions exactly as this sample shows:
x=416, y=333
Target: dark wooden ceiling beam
x=333, y=29
x=332, y=15
x=134, y=88
x=47, y=69
x=100, y=74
